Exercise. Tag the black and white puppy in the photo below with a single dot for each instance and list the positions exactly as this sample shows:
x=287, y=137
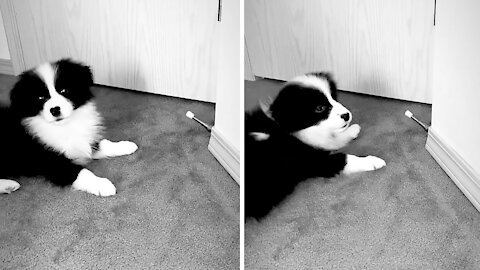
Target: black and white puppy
x=52, y=128
x=295, y=138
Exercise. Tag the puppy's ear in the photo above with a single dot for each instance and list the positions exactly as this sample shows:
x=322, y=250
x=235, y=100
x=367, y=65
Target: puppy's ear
x=86, y=75
x=21, y=102
x=16, y=93
x=332, y=84
x=75, y=72
x=285, y=103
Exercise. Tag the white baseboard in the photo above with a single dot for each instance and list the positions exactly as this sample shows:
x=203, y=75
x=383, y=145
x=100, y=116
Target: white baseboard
x=455, y=166
x=6, y=67
x=226, y=154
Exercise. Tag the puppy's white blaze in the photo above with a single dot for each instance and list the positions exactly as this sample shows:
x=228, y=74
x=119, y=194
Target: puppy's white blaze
x=315, y=82
x=46, y=72
x=89, y=182
x=74, y=136
x=7, y=186
x=361, y=164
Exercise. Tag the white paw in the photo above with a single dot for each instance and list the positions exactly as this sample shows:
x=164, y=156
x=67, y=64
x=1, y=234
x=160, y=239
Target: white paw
x=8, y=186
x=89, y=182
x=124, y=148
x=373, y=163
x=362, y=164
x=114, y=149
x=354, y=130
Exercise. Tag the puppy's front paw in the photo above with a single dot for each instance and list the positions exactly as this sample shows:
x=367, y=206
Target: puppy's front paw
x=123, y=148
x=114, y=149
x=373, y=163
x=89, y=182
x=362, y=164
x=8, y=186
x=104, y=187
x=354, y=130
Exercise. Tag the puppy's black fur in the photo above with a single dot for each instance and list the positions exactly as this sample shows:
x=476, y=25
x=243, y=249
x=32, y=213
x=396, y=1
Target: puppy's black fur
x=275, y=165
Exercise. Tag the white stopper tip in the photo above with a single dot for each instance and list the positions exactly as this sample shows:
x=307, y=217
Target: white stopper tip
x=408, y=114
x=190, y=115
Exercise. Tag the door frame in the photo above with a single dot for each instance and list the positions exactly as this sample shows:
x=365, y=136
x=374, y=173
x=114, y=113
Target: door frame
x=13, y=36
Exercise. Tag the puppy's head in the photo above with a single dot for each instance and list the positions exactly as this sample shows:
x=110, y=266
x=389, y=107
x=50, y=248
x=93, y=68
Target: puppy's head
x=307, y=108
x=52, y=91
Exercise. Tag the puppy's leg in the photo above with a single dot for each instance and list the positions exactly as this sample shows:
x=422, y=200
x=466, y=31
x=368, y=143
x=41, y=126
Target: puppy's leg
x=7, y=186
x=89, y=182
x=107, y=149
x=63, y=172
x=362, y=164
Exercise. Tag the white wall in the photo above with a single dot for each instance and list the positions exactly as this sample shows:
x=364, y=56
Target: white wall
x=4, y=53
x=456, y=78
x=229, y=82
x=225, y=143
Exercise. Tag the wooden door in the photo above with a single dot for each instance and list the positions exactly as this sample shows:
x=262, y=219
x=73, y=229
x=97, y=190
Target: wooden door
x=161, y=46
x=378, y=47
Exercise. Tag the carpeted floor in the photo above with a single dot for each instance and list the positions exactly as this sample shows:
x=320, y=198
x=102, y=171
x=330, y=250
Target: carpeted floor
x=175, y=208
x=408, y=215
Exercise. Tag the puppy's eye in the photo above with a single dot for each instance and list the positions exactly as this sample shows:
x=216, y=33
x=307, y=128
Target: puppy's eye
x=41, y=98
x=320, y=108
x=63, y=91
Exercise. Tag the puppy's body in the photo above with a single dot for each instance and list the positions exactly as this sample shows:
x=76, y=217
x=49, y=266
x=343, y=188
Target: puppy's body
x=296, y=138
x=274, y=166
x=52, y=129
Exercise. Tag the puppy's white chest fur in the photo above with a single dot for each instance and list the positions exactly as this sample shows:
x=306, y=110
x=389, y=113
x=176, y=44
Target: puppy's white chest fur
x=74, y=136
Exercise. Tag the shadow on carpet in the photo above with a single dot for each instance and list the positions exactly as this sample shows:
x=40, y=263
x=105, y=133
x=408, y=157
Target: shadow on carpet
x=408, y=215
x=175, y=208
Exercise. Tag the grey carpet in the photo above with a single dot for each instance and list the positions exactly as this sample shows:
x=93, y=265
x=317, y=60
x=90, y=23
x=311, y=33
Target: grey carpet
x=175, y=208
x=408, y=215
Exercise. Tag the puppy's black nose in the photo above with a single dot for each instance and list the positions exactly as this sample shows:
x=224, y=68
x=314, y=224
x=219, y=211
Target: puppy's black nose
x=55, y=111
x=345, y=116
